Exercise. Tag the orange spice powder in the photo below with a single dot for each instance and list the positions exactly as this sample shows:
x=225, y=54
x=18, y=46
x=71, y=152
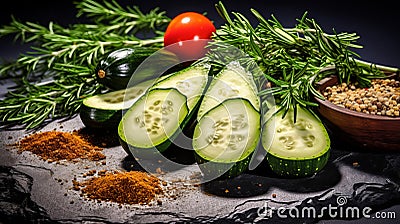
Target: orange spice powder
x=56, y=145
x=133, y=187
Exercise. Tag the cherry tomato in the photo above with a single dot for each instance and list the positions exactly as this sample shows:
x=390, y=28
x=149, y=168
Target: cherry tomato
x=187, y=35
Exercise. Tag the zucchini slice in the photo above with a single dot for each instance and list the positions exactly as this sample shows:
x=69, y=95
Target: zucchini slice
x=231, y=98
x=153, y=120
x=105, y=110
x=225, y=137
x=231, y=82
x=190, y=83
x=295, y=149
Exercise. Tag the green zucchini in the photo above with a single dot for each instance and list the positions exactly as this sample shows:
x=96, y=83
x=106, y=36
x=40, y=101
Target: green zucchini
x=117, y=68
x=295, y=149
x=231, y=98
x=169, y=105
x=225, y=137
x=105, y=110
x=192, y=82
x=153, y=120
x=231, y=82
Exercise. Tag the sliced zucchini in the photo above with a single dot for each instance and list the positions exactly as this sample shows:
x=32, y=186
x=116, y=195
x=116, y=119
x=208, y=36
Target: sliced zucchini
x=190, y=83
x=105, y=110
x=225, y=137
x=231, y=82
x=295, y=149
x=153, y=120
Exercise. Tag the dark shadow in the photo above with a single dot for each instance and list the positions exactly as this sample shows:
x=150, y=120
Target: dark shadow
x=373, y=161
x=172, y=161
x=342, y=141
x=261, y=179
x=181, y=150
x=323, y=180
x=244, y=185
x=380, y=164
x=106, y=138
x=179, y=155
x=129, y=163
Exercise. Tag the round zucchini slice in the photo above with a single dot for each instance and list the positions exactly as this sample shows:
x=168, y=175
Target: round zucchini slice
x=153, y=121
x=225, y=137
x=295, y=149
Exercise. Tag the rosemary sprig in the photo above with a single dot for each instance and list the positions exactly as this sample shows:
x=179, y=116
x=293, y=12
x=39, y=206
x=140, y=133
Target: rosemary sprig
x=292, y=58
x=82, y=42
x=57, y=72
x=36, y=102
x=128, y=20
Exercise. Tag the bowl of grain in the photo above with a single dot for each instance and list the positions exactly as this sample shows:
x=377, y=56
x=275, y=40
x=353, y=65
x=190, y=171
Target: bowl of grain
x=368, y=118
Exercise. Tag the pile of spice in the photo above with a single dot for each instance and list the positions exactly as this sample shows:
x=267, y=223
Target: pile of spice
x=56, y=145
x=381, y=98
x=133, y=187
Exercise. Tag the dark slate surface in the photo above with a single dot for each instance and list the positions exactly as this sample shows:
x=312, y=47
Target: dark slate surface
x=34, y=191
x=37, y=191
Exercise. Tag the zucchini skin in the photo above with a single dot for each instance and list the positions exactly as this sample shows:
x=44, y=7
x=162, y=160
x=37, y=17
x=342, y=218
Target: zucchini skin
x=222, y=170
x=297, y=167
x=219, y=170
x=145, y=153
x=116, y=69
x=98, y=118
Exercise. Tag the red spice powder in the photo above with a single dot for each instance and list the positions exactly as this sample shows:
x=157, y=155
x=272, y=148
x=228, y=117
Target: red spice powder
x=56, y=145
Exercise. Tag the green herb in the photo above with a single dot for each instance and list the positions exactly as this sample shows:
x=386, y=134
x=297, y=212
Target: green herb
x=292, y=58
x=58, y=71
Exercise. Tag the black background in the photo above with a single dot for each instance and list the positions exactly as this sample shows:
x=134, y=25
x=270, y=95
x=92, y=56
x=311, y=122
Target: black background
x=376, y=22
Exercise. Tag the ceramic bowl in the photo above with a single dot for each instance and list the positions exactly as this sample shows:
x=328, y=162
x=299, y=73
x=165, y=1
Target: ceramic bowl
x=366, y=131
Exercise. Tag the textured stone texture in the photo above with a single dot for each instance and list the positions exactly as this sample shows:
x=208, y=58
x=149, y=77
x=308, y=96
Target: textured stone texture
x=34, y=190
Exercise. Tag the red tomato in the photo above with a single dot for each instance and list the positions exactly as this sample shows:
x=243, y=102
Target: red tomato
x=188, y=34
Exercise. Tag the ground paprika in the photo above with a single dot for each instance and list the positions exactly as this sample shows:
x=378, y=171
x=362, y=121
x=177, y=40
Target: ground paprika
x=56, y=145
x=133, y=187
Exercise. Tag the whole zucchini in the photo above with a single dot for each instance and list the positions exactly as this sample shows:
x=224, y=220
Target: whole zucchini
x=116, y=69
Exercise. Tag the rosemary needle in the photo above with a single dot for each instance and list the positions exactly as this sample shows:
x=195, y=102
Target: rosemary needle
x=57, y=73
x=292, y=58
